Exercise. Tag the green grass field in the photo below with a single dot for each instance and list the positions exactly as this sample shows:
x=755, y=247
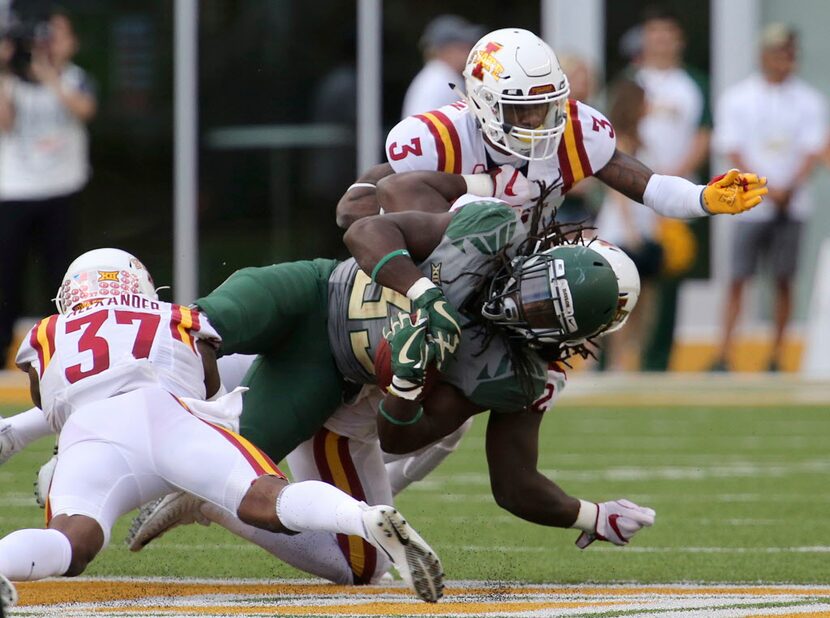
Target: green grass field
x=741, y=495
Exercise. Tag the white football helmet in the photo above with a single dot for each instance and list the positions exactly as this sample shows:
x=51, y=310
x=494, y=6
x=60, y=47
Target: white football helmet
x=103, y=272
x=628, y=280
x=518, y=92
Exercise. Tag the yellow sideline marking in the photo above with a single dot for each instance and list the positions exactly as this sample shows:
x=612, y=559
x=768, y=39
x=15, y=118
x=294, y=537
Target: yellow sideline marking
x=91, y=591
x=10, y=395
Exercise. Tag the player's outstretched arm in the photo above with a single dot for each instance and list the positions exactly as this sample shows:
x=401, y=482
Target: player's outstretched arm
x=426, y=191
x=20, y=430
x=385, y=246
x=518, y=486
x=512, y=448
x=675, y=197
x=360, y=199
x=26, y=427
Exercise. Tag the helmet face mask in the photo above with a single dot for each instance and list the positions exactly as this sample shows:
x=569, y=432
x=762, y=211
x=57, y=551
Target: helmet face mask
x=518, y=92
x=562, y=295
x=100, y=273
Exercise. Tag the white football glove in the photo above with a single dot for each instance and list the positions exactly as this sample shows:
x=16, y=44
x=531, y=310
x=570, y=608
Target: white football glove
x=511, y=186
x=617, y=522
x=8, y=441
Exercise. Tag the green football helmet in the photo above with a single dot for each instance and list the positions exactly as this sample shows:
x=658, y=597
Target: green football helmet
x=562, y=295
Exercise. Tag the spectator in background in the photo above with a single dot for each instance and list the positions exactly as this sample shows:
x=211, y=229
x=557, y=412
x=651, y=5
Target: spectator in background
x=777, y=124
x=631, y=227
x=445, y=43
x=581, y=202
x=675, y=140
x=45, y=103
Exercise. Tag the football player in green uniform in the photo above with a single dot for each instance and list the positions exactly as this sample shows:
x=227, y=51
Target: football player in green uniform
x=494, y=306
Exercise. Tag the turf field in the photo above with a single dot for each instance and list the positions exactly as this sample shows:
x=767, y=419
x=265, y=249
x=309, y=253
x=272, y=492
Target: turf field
x=740, y=491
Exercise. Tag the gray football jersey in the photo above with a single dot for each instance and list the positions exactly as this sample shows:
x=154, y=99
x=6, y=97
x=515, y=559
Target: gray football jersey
x=474, y=245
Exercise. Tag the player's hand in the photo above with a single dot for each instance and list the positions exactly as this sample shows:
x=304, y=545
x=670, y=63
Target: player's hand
x=733, y=192
x=8, y=443
x=617, y=522
x=511, y=186
x=410, y=354
x=444, y=325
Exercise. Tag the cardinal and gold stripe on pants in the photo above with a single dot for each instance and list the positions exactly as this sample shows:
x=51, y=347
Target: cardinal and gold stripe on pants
x=335, y=465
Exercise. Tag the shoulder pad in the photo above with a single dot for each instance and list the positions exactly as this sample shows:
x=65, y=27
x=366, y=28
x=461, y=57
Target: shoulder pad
x=587, y=145
x=427, y=141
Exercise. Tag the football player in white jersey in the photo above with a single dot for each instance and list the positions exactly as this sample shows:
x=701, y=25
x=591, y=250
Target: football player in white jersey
x=130, y=384
x=516, y=126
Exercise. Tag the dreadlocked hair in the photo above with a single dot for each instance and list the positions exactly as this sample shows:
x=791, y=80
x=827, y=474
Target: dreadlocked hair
x=543, y=234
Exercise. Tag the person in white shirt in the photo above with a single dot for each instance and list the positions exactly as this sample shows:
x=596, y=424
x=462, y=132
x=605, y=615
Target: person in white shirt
x=446, y=43
x=776, y=123
x=675, y=140
x=45, y=104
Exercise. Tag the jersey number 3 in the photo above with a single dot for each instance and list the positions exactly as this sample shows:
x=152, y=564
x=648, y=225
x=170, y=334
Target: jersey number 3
x=412, y=148
x=90, y=341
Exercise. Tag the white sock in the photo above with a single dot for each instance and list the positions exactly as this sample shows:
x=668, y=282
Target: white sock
x=314, y=505
x=27, y=555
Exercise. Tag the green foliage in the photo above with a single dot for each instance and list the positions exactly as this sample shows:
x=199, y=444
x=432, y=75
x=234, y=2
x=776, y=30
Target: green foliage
x=741, y=496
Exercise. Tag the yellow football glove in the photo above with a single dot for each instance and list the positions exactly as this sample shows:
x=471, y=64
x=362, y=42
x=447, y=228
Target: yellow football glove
x=733, y=192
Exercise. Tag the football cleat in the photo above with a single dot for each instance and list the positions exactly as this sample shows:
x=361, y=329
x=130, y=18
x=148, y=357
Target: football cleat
x=157, y=517
x=8, y=596
x=44, y=479
x=417, y=564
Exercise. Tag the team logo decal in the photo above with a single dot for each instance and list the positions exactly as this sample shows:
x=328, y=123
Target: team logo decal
x=563, y=302
x=488, y=62
x=435, y=273
x=107, y=275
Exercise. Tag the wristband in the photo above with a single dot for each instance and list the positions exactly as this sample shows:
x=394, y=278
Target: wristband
x=361, y=185
x=480, y=184
x=586, y=520
x=419, y=287
x=382, y=261
x=395, y=421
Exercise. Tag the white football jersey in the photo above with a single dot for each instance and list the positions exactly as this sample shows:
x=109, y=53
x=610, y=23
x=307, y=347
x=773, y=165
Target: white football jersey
x=449, y=140
x=112, y=347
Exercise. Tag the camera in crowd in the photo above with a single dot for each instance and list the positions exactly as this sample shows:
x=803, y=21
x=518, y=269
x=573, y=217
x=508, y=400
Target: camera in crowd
x=25, y=38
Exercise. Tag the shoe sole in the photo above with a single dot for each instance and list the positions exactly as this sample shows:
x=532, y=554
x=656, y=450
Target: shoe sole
x=171, y=519
x=425, y=568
